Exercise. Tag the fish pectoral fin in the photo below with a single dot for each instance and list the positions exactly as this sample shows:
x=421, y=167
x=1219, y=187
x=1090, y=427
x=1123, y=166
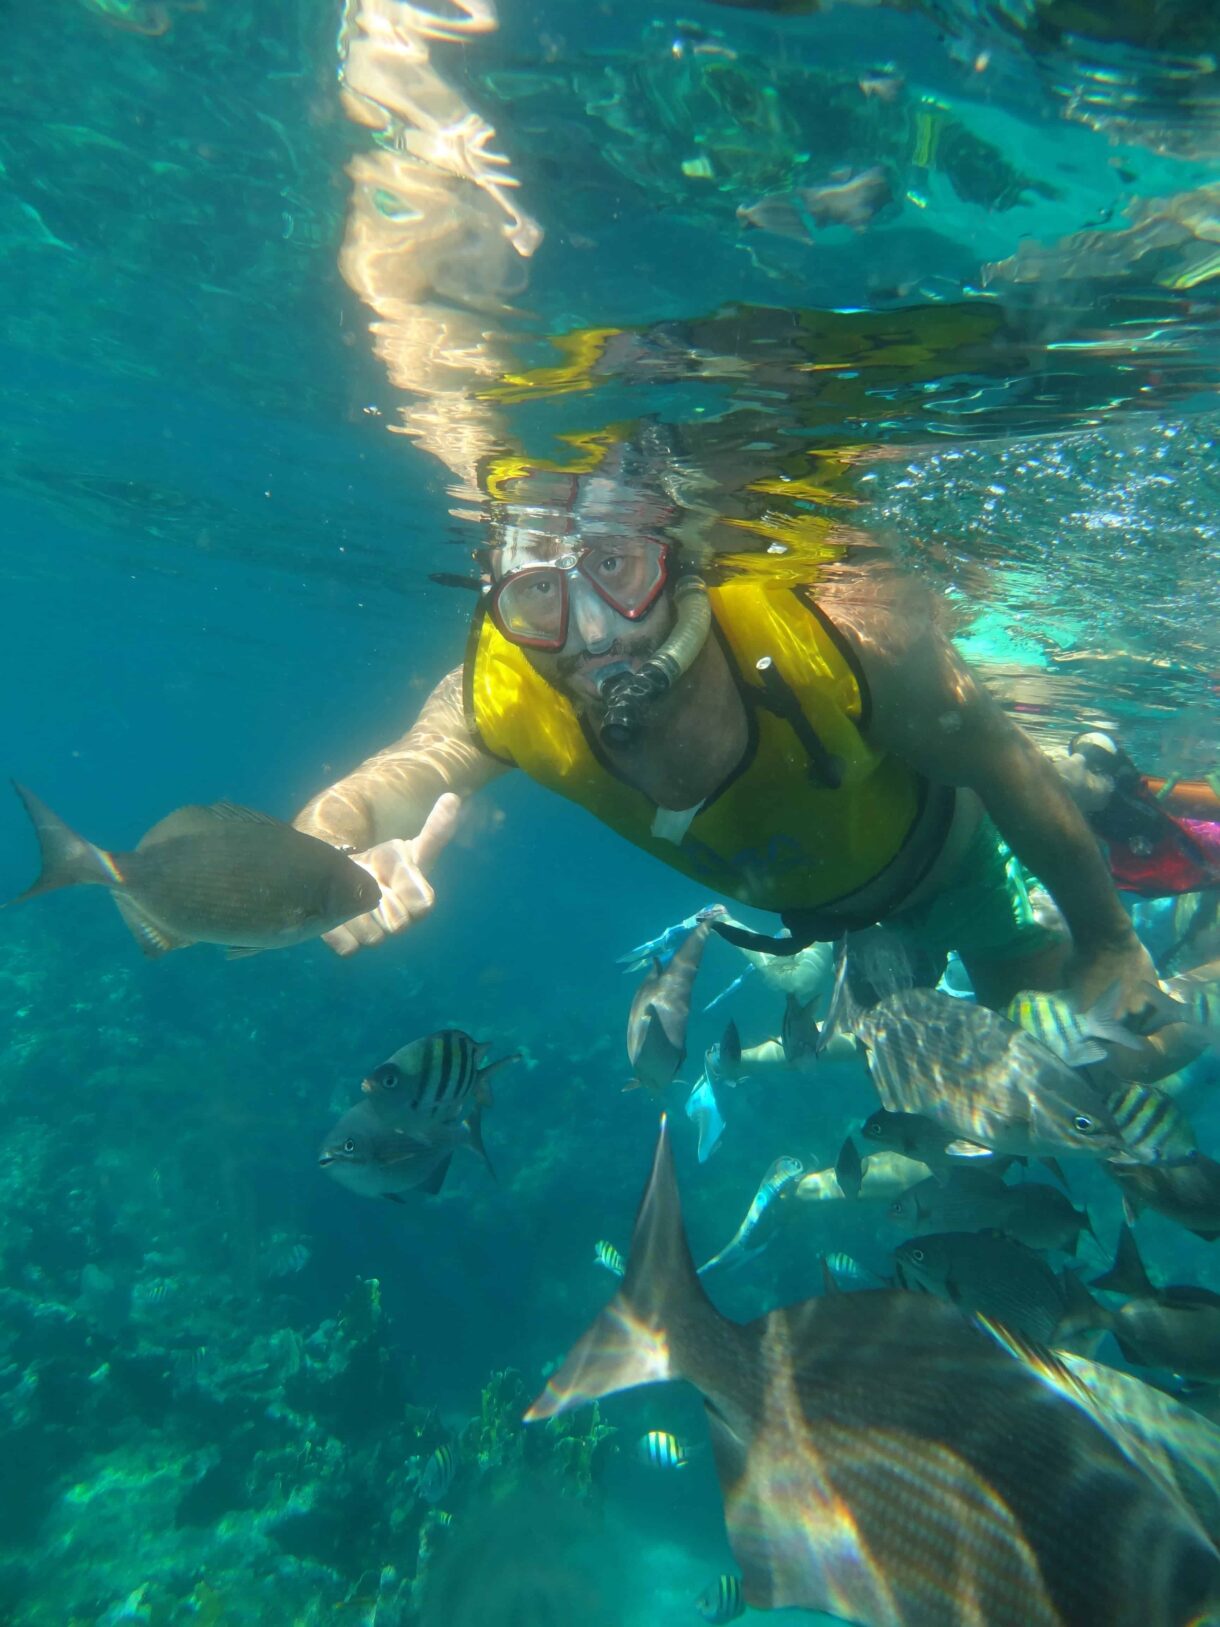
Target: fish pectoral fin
x=240, y=951
x=393, y=1197
x=968, y=1149
x=234, y=813
x=437, y=1178
x=1085, y=1052
x=152, y=938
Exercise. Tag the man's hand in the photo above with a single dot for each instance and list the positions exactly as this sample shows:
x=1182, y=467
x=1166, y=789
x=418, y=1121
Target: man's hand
x=400, y=869
x=1125, y=963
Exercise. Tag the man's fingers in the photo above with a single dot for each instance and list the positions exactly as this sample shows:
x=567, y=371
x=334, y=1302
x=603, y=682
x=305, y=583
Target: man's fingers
x=437, y=831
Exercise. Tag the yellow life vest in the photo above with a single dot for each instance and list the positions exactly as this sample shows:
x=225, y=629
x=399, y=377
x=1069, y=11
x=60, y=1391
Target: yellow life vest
x=779, y=834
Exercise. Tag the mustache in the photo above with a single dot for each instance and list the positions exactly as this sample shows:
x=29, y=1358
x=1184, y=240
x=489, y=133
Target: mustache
x=567, y=665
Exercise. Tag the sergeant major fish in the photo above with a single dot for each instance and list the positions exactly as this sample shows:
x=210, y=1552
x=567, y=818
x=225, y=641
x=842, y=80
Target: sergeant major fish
x=1075, y=1037
x=608, y=1257
x=721, y=1600
x=437, y=1475
x=758, y=1227
x=438, y=1076
x=887, y=1462
x=662, y=1450
x=218, y=874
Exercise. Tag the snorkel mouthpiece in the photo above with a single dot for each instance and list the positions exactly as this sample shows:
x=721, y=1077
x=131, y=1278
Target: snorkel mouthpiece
x=625, y=696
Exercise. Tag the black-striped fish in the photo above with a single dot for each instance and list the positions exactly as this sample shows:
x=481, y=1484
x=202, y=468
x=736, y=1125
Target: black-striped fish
x=1149, y=1121
x=721, y=1600
x=438, y=1076
x=884, y=1459
x=438, y=1473
x=845, y=1268
x=1075, y=1036
x=1199, y=995
x=662, y=1450
x=608, y=1256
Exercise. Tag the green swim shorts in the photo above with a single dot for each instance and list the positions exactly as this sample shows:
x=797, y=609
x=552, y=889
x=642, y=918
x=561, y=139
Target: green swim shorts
x=983, y=908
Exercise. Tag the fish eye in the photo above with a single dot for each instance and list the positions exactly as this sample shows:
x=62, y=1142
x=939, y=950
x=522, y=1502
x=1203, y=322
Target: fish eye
x=872, y=1129
x=916, y=1256
x=1084, y=1124
x=388, y=1079
x=349, y=1145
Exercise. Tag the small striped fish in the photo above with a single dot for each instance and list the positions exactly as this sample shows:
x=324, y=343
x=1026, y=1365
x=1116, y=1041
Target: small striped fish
x=722, y=1600
x=605, y=1254
x=438, y=1473
x=1201, y=998
x=1149, y=1120
x=663, y=1450
x=847, y=1269
x=1073, y=1036
x=442, y=1518
x=436, y=1077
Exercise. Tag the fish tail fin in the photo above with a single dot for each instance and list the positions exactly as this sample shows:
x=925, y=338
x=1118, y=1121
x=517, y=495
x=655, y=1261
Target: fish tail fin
x=659, y=1314
x=474, y=1130
x=1127, y=1274
x=1081, y=1312
x=849, y=1169
x=1102, y=1021
x=68, y=860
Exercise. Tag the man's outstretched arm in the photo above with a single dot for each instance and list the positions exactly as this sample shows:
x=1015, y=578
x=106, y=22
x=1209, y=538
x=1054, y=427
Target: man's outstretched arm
x=391, y=793
x=396, y=812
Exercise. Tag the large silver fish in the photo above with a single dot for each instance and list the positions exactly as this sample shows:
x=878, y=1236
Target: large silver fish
x=980, y=1075
x=219, y=874
x=885, y=1461
x=656, y=1027
x=383, y=1160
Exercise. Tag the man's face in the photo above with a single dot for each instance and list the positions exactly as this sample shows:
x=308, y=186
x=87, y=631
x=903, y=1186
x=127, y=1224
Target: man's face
x=599, y=637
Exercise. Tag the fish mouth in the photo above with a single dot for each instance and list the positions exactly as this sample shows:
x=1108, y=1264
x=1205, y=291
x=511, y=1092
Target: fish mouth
x=325, y=1158
x=367, y=1086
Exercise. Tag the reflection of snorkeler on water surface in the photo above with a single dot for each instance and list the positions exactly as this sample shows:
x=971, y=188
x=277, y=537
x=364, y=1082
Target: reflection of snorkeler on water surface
x=828, y=758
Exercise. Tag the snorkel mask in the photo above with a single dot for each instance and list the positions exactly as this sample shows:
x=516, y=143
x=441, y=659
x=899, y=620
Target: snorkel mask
x=531, y=607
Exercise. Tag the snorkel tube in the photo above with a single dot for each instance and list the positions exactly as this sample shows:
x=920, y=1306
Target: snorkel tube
x=625, y=696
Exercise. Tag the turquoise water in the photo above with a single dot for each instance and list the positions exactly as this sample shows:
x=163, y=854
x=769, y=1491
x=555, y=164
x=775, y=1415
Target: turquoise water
x=278, y=339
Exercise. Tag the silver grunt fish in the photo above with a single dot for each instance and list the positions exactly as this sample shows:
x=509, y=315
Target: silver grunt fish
x=219, y=874
x=885, y=1461
x=980, y=1075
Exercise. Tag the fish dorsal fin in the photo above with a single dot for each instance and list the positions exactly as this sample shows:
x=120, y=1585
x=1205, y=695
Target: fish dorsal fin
x=437, y=1178
x=1127, y=1275
x=198, y=819
x=153, y=939
x=849, y=1170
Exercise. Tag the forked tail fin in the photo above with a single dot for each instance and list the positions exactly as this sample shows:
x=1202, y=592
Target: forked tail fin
x=67, y=859
x=640, y=1336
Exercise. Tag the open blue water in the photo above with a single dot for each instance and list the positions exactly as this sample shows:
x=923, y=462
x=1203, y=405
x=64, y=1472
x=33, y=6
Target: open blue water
x=216, y=564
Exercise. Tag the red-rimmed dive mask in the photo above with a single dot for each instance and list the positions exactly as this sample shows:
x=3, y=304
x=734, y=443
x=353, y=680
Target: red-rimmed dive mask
x=531, y=606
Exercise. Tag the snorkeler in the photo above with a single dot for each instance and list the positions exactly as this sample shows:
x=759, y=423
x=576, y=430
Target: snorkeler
x=1153, y=850
x=837, y=771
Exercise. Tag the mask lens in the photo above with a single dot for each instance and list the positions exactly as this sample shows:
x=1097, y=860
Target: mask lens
x=628, y=578
x=531, y=606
